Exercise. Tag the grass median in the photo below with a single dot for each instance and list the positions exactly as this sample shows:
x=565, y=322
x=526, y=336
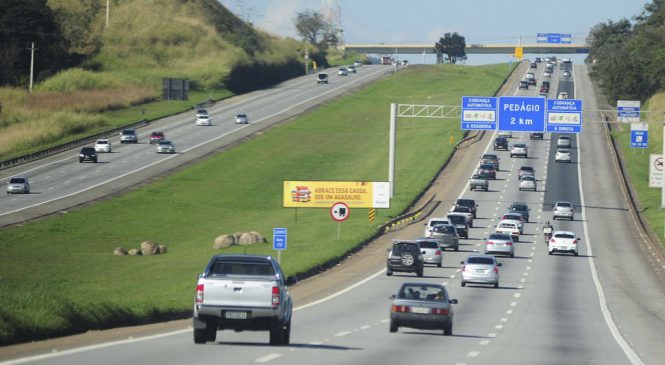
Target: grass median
x=59, y=276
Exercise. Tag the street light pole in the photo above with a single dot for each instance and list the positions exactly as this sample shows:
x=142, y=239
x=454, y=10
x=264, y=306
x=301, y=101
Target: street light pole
x=391, y=152
x=662, y=191
x=32, y=63
x=108, y=5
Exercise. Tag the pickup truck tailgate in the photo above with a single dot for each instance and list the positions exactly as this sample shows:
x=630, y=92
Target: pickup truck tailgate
x=240, y=292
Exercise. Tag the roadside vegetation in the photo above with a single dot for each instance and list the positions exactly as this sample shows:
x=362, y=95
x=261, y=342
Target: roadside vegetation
x=59, y=276
x=627, y=61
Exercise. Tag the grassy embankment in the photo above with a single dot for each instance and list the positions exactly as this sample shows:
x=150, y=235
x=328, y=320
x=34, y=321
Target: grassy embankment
x=201, y=41
x=637, y=163
x=59, y=275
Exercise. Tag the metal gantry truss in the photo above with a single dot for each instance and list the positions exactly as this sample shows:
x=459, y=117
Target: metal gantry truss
x=429, y=111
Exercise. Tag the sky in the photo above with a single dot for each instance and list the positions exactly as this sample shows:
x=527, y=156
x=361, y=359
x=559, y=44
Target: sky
x=425, y=21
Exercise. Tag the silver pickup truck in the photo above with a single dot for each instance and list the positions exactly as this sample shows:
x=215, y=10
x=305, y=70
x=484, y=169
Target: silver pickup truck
x=242, y=293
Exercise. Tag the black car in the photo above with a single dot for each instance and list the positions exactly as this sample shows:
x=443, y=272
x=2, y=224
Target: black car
x=460, y=224
x=468, y=203
x=533, y=65
x=521, y=208
x=88, y=154
x=405, y=256
x=488, y=169
x=524, y=84
x=501, y=143
x=532, y=81
x=546, y=83
x=536, y=135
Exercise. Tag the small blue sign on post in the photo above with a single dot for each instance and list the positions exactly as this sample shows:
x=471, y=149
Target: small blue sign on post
x=564, y=116
x=478, y=113
x=279, y=239
x=521, y=114
x=639, y=135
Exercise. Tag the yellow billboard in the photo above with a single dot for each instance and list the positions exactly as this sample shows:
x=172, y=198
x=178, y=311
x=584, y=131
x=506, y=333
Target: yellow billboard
x=323, y=194
x=519, y=52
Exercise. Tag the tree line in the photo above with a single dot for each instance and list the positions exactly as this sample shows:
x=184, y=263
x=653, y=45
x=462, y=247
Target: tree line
x=628, y=58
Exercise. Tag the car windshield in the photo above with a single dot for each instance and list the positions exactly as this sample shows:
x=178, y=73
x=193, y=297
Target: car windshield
x=563, y=205
x=226, y=268
x=513, y=217
x=461, y=209
x=421, y=292
x=564, y=151
x=435, y=222
x=477, y=176
x=428, y=244
x=564, y=235
x=241, y=116
x=17, y=180
x=401, y=247
x=526, y=168
x=519, y=145
x=102, y=141
x=499, y=237
x=519, y=207
x=157, y=134
x=441, y=228
x=457, y=219
x=507, y=225
x=466, y=202
x=127, y=131
x=564, y=137
x=88, y=150
x=480, y=260
x=164, y=143
x=528, y=178
x=487, y=166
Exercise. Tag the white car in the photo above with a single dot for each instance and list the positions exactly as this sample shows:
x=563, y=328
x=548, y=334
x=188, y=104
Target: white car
x=563, y=241
x=510, y=228
x=547, y=74
x=527, y=182
x=563, y=209
x=506, y=134
x=562, y=155
x=342, y=72
x=563, y=141
x=519, y=149
x=203, y=119
x=513, y=218
x=242, y=119
x=563, y=95
x=103, y=145
x=18, y=185
x=165, y=147
x=429, y=226
x=351, y=69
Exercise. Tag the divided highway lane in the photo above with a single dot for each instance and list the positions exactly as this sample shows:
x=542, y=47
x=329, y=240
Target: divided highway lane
x=545, y=312
x=60, y=182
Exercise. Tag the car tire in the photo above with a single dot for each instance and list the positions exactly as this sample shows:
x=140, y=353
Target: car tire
x=277, y=334
x=420, y=273
x=407, y=259
x=457, y=247
x=471, y=224
x=439, y=265
x=389, y=272
x=576, y=253
x=549, y=253
x=512, y=255
x=393, y=327
x=200, y=336
x=496, y=285
x=463, y=284
x=448, y=331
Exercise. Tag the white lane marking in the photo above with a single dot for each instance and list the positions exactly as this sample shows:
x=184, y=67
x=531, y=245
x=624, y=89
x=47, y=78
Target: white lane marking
x=504, y=319
x=513, y=304
x=614, y=330
x=491, y=335
x=520, y=287
x=499, y=326
x=342, y=334
x=484, y=342
x=347, y=289
x=385, y=320
x=530, y=260
x=509, y=311
x=458, y=270
x=365, y=327
x=94, y=347
x=268, y=358
x=452, y=276
x=528, y=267
x=316, y=343
x=517, y=295
x=526, y=274
x=522, y=280
x=473, y=354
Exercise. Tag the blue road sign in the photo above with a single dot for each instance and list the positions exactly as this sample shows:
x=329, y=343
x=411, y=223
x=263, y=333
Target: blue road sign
x=279, y=238
x=628, y=110
x=553, y=37
x=541, y=38
x=564, y=115
x=567, y=38
x=478, y=113
x=521, y=114
x=639, y=139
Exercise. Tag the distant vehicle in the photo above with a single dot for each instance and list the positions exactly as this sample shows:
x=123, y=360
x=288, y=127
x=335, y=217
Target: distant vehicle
x=521, y=208
x=563, y=141
x=88, y=154
x=386, y=60
x=563, y=241
x=351, y=69
x=562, y=155
x=322, y=78
x=499, y=244
x=103, y=145
x=532, y=81
x=524, y=84
x=491, y=158
x=530, y=75
x=422, y=306
x=405, y=256
x=566, y=74
x=501, y=143
x=527, y=183
x=357, y=64
x=519, y=149
x=128, y=136
x=342, y=72
x=242, y=119
x=18, y=185
x=242, y=293
x=447, y=235
x=463, y=211
x=431, y=252
x=429, y=226
x=506, y=134
x=563, y=209
x=536, y=135
x=157, y=136
x=533, y=65
x=460, y=224
x=516, y=218
x=488, y=170
x=510, y=228
x=538, y=59
x=468, y=203
x=547, y=73
x=566, y=60
x=480, y=269
x=525, y=170
x=165, y=146
x=563, y=95
x=479, y=182
x=202, y=117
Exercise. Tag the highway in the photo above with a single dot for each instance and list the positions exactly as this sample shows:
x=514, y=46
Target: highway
x=61, y=182
x=605, y=306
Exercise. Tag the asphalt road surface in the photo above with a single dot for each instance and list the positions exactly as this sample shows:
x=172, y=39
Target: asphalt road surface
x=605, y=306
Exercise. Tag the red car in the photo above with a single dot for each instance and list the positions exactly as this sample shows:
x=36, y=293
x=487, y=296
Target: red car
x=155, y=137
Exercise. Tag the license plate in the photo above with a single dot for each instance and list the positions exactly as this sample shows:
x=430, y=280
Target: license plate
x=480, y=271
x=420, y=310
x=235, y=315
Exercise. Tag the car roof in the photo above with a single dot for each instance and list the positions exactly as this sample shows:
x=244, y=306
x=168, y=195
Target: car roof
x=564, y=232
x=563, y=201
x=526, y=167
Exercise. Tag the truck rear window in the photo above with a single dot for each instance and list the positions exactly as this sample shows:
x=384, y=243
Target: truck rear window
x=226, y=268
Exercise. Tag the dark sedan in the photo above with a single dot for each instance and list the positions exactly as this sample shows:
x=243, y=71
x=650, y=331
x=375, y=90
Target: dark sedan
x=488, y=170
x=501, y=143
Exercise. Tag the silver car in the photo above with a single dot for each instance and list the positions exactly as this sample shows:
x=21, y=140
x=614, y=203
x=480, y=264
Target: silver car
x=562, y=155
x=423, y=306
x=429, y=226
x=527, y=182
x=431, y=251
x=519, y=149
x=242, y=119
x=500, y=243
x=18, y=185
x=165, y=147
x=563, y=141
x=129, y=136
x=480, y=269
x=103, y=145
x=563, y=209
x=447, y=236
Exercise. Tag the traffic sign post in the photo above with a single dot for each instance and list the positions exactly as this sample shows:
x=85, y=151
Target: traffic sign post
x=478, y=113
x=339, y=213
x=639, y=135
x=521, y=114
x=628, y=111
x=564, y=116
x=656, y=171
x=279, y=241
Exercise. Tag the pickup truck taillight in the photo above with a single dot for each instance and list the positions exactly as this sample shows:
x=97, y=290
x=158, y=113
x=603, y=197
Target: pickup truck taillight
x=275, y=296
x=199, y=293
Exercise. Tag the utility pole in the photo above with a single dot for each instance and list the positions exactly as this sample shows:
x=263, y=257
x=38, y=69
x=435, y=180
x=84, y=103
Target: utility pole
x=306, y=61
x=108, y=5
x=32, y=63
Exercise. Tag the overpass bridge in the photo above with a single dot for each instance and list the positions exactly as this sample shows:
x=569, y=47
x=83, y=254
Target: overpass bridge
x=400, y=48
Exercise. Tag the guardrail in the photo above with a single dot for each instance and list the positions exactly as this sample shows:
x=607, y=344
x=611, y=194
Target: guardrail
x=5, y=164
